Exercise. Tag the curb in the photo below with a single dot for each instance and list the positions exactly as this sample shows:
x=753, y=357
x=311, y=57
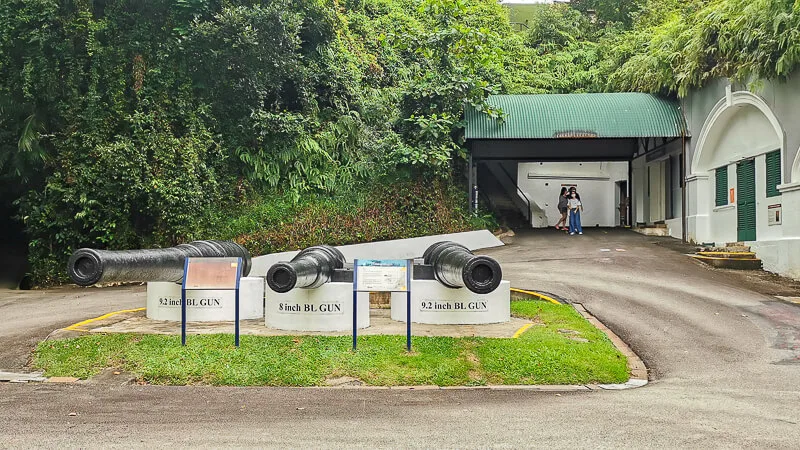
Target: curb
x=636, y=367
x=538, y=295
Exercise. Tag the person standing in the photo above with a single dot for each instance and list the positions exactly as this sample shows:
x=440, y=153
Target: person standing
x=575, y=207
x=562, y=208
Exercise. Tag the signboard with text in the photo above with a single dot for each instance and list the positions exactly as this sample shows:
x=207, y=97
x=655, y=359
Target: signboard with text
x=381, y=275
x=211, y=273
x=774, y=214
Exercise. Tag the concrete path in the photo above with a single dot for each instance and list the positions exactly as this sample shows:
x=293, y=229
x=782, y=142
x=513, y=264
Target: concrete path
x=724, y=355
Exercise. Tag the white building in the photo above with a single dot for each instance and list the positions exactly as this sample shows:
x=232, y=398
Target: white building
x=743, y=182
x=741, y=176
x=720, y=165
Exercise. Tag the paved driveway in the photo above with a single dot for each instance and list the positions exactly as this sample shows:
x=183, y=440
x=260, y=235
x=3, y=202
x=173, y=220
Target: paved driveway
x=27, y=317
x=725, y=361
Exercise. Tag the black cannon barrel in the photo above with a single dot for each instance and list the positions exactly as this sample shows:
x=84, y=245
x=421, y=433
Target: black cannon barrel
x=455, y=266
x=88, y=266
x=311, y=268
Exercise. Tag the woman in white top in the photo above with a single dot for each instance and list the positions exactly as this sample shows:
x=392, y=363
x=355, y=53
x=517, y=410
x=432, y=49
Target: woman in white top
x=575, y=207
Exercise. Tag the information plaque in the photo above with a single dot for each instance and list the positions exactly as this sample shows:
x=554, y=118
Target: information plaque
x=211, y=273
x=382, y=275
x=774, y=214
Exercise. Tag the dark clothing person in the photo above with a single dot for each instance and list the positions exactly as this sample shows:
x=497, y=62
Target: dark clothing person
x=562, y=204
x=562, y=208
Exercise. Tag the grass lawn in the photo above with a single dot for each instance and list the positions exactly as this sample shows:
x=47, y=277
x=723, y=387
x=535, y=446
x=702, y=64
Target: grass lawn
x=562, y=348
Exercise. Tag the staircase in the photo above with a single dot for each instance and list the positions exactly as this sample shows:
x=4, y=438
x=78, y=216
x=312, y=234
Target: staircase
x=502, y=204
x=658, y=229
x=735, y=255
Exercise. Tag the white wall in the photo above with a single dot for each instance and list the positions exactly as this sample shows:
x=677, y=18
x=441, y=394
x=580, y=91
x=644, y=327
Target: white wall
x=595, y=182
x=782, y=254
x=640, y=202
x=656, y=188
x=733, y=133
x=722, y=220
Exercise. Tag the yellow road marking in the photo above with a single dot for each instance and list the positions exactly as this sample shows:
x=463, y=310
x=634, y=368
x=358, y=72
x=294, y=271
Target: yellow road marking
x=536, y=294
x=77, y=326
x=701, y=257
x=521, y=330
x=726, y=253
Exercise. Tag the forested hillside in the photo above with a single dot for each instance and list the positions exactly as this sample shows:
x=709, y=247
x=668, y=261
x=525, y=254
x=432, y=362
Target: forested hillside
x=286, y=123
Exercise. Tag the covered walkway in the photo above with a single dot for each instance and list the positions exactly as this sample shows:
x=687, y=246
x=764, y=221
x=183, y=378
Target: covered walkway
x=593, y=141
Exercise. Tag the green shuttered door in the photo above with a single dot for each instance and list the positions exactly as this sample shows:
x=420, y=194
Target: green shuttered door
x=746, y=200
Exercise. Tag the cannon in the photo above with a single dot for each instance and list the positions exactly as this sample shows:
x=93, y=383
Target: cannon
x=455, y=266
x=89, y=266
x=311, y=268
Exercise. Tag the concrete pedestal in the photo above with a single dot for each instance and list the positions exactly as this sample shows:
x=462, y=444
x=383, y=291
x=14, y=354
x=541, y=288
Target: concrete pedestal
x=327, y=308
x=164, y=302
x=433, y=303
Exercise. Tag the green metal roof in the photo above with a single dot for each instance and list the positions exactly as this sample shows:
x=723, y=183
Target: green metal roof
x=570, y=116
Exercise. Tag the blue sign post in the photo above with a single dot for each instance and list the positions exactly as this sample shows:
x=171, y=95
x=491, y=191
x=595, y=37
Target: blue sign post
x=221, y=274
x=382, y=275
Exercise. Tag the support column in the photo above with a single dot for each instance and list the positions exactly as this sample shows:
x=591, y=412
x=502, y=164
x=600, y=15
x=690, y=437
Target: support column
x=790, y=209
x=699, y=198
x=469, y=182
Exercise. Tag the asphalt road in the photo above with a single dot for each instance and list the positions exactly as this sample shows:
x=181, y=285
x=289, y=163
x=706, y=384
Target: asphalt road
x=724, y=360
x=27, y=317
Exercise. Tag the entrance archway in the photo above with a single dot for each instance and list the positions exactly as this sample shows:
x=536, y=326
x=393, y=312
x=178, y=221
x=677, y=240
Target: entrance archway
x=796, y=168
x=741, y=126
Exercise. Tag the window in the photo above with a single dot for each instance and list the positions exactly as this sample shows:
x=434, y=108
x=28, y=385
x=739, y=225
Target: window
x=773, y=173
x=722, y=186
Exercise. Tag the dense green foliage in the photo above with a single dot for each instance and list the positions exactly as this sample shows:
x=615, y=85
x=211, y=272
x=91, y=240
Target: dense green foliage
x=662, y=46
x=368, y=213
x=138, y=123
x=567, y=53
x=678, y=45
x=607, y=11
x=546, y=353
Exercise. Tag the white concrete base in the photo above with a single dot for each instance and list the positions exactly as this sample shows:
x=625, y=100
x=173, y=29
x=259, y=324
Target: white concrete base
x=675, y=227
x=433, y=303
x=327, y=308
x=164, y=302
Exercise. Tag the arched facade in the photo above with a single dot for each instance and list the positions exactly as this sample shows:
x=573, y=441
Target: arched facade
x=796, y=169
x=741, y=127
x=753, y=124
